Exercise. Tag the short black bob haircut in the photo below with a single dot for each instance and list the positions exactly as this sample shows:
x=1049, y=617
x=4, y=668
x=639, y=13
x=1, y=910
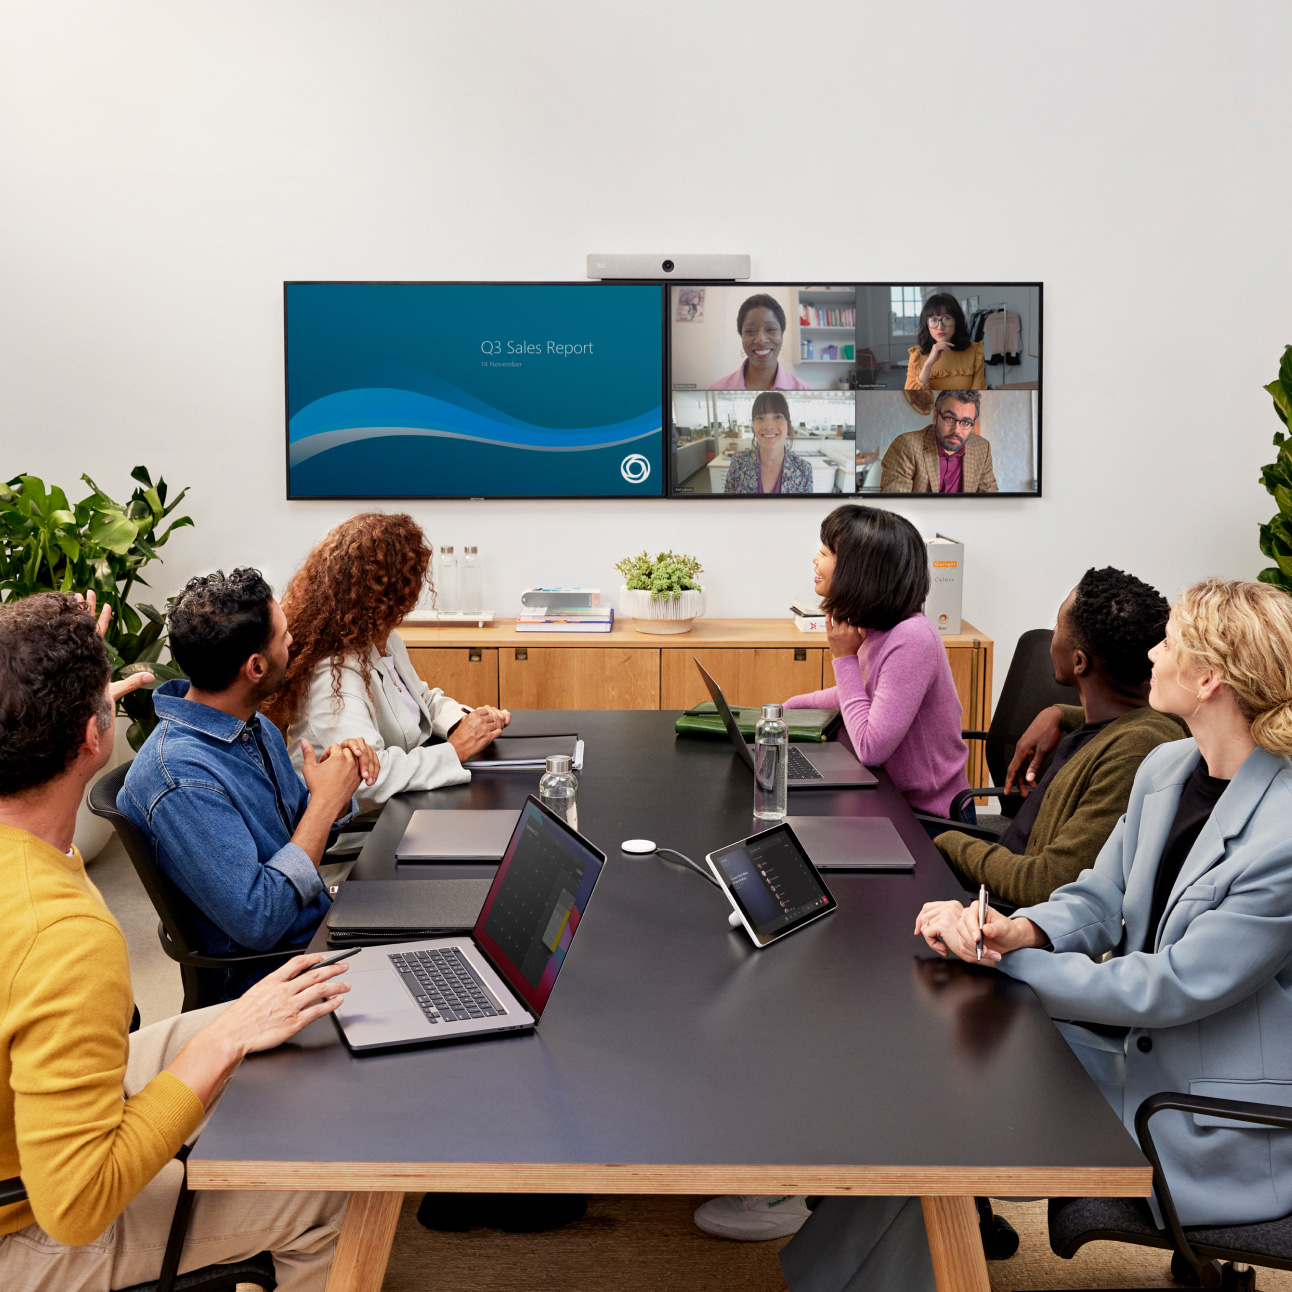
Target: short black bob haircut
x=1117, y=619
x=217, y=623
x=760, y=301
x=881, y=571
x=53, y=676
x=774, y=403
x=942, y=303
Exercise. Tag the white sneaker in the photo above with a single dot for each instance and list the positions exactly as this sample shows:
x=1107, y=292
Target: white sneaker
x=752, y=1218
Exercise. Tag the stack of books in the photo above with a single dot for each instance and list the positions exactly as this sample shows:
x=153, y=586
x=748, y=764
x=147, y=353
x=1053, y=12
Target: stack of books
x=808, y=616
x=564, y=610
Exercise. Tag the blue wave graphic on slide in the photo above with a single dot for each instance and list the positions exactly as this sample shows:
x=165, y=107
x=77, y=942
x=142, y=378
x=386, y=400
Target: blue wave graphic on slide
x=351, y=415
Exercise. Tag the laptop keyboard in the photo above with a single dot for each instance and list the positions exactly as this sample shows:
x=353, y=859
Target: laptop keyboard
x=800, y=769
x=444, y=985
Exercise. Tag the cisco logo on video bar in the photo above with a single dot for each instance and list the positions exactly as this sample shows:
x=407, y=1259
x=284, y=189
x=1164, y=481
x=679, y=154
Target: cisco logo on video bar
x=635, y=468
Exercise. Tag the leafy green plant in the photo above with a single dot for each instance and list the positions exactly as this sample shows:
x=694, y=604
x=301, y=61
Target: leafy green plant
x=1276, y=534
x=98, y=545
x=667, y=576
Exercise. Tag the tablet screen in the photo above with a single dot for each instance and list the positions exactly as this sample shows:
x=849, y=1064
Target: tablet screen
x=773, y=882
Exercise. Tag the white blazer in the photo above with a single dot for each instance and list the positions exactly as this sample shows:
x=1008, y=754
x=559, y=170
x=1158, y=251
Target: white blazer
x=383, y=719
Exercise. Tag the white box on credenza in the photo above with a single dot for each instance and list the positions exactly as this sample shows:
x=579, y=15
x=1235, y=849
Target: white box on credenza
x=946, y=582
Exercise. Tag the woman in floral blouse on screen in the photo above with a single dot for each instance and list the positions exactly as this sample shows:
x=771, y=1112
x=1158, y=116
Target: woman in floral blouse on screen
x=769, y=467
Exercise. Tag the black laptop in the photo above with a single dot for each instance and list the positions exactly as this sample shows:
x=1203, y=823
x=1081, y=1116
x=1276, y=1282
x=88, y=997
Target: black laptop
x=827, y=766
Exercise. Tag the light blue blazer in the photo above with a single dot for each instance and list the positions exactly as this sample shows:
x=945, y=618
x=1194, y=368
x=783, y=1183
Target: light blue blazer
x=1210, y=1006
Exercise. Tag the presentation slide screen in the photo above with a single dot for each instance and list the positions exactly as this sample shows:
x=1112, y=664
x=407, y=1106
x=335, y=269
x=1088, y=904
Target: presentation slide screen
x=468, y=390
x=854, y=388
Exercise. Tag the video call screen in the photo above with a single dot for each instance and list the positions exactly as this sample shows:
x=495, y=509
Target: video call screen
x=455, y=390
x=773, y=882
x=535, y=904
x=792, y=389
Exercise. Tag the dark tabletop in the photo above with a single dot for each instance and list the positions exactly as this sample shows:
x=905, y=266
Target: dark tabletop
x=670, y=1039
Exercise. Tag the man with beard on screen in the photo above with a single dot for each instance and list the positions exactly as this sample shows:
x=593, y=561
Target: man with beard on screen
x=947, y=456
x=214, y=792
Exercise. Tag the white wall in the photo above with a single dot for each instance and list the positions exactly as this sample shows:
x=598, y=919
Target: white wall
x=166, y=166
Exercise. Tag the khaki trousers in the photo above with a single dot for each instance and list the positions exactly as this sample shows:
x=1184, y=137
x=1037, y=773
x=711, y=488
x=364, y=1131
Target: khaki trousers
x=300, y=1229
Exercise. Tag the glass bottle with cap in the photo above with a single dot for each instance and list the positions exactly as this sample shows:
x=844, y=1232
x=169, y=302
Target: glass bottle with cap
x=558, y=789
x=447, y=595
x=771, y=765
x=471, y=599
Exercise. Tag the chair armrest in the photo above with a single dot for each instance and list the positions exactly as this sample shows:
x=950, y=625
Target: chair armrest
x=200, y=961
x=12, y=1191
x=1226, y=1109
x=359, y=824
x=965, y=797
x=973, y=735
x=984, y=832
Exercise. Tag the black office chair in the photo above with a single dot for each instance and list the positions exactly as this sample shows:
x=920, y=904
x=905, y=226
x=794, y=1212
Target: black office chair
x=176, y=924
x=1029, y=687
x=257, y=1270
x=1207, y=1256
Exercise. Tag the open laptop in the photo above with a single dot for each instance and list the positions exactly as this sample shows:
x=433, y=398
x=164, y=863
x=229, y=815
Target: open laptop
x=827, y=766
x=500, y=977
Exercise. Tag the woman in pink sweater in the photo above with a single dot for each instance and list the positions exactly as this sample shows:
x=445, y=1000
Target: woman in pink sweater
x=892, y=677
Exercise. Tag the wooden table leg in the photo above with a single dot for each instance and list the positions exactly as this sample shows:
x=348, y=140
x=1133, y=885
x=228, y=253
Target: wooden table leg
x=955, y=1244
x=363, y=1249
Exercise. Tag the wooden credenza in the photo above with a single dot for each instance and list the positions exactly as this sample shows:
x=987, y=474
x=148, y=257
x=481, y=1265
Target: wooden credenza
x=755, y=661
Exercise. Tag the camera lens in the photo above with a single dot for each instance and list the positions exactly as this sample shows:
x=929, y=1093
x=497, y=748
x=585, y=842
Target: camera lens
x=667, y=266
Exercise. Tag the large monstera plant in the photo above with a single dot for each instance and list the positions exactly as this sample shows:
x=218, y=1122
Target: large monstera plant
x=47, y=544
x=1276, y=534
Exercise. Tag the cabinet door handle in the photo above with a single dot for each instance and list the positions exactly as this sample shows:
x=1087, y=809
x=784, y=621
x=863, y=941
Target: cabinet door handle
x=522, y=653
x=474, y=655
x=800, y=654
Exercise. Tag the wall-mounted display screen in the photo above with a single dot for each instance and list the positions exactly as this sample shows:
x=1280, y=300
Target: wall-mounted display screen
x=866, y=388
x=453, y=390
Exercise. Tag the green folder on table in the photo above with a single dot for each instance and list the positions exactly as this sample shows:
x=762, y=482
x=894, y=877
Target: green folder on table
x=804, y=724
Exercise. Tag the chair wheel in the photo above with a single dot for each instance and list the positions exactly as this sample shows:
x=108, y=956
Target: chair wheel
x=999, y=1238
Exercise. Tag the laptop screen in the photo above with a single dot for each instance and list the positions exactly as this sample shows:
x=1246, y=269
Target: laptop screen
x=536, y=902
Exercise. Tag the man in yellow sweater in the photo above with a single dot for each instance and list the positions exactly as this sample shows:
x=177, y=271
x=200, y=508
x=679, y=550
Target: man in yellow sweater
x=91, y=1117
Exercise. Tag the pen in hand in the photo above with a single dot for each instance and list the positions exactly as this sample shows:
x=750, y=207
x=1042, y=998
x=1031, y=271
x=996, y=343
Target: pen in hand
x=982, y=917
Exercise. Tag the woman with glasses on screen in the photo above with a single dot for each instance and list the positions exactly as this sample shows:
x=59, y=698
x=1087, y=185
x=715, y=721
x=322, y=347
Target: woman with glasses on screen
x=760, y=322
x=769, y=467
x=944, y=358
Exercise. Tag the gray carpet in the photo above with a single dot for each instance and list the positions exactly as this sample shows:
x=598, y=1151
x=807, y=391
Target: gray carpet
x=625, y=1243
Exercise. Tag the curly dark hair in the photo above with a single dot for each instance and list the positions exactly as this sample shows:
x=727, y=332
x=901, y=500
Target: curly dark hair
x=54, y=673
x=760, y=300
x=881, y=571
x=942, y=303
x=1116, y=619
x=217, y=623
x=348, y=596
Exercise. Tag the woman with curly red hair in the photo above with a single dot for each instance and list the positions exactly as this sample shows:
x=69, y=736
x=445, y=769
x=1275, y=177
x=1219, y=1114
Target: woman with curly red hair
x=350, y=671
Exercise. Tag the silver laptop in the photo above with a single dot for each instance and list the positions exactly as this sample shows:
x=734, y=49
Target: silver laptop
x=852, y=842
x=465, y=835
x=500, y=977
x=827, y=766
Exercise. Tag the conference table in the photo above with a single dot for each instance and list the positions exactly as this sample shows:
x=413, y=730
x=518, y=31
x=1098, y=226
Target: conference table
x=674, y=1057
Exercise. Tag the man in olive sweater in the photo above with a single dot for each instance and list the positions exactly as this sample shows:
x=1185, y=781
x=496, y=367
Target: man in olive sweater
x=1102, y=636
x=90, y=1118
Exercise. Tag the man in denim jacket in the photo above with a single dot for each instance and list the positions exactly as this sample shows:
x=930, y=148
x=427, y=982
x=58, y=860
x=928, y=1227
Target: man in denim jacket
x=213, y=790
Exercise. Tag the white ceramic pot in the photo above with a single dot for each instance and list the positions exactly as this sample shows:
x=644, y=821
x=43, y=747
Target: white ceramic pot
x=93, y=832
x=664, y=615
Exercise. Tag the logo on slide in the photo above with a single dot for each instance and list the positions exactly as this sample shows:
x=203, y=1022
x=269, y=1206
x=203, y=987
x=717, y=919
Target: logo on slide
x=634, y=468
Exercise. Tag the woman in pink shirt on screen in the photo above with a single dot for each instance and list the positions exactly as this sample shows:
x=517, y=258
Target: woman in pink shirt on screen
x=761, y=325
x=892, y=678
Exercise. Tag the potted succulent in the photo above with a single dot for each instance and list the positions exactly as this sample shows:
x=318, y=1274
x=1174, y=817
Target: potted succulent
x=661, y=595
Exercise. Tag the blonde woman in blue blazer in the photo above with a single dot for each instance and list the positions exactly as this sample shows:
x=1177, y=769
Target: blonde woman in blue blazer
x=1192, y=896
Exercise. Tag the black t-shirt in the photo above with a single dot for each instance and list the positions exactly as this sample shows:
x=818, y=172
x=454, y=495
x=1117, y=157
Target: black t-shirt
x=1020, y=828
x=1195, y=807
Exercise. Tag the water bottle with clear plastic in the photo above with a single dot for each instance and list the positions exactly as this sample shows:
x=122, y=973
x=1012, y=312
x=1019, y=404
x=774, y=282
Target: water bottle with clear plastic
x=447, y=593
x=471, y=597
x=771, y=765
x=558, y=789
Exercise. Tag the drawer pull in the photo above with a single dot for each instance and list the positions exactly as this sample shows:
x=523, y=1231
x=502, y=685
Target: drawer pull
x=800, y=654
x=522, y=653
x=474, y=655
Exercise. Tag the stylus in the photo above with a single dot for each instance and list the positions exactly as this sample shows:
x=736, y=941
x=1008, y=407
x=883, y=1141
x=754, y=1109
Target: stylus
x=982, y=916
x=331, y=960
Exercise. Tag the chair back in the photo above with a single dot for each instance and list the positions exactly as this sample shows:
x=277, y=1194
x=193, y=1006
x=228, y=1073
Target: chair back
x=1029, y=688
x=171, y=905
